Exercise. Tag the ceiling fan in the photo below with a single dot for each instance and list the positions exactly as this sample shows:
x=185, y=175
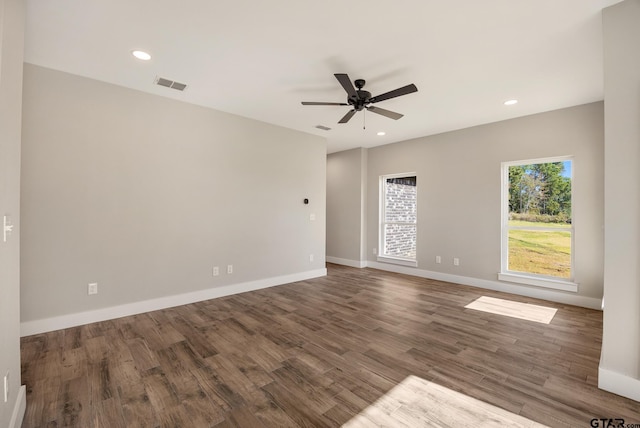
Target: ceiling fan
x=360, y=99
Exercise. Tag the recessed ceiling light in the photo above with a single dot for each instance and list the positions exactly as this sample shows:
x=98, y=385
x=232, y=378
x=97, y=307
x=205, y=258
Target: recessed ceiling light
x=510, y=102
x=141, y=55
x=381, y=133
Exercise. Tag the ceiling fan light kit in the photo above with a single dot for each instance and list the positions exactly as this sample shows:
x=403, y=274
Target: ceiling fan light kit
x=359, y=99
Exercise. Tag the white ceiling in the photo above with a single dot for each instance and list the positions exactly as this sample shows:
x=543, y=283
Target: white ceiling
x=260, y=59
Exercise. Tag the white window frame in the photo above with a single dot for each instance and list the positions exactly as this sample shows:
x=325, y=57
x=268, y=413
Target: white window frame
x=546, y=281
x=403, y=261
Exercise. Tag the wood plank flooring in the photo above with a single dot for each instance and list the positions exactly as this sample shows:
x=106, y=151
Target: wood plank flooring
x=316, y=353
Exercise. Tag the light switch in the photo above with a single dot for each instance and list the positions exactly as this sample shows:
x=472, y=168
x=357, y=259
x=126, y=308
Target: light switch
x=7, y=228
x=312, y=217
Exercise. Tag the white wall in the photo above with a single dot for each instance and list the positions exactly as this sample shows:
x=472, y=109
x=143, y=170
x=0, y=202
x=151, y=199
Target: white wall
x=459, y=192
x=11, y=56
x=620, y=362
x=144, y=195
x=346, y=181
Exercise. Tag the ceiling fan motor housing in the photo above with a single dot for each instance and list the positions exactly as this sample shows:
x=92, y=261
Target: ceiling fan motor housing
x=361, y=99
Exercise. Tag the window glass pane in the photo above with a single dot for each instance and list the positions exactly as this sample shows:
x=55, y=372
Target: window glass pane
x=540, y=193
x=400, y=200
x=400, y=240
x=540, y=252
x=539, y=196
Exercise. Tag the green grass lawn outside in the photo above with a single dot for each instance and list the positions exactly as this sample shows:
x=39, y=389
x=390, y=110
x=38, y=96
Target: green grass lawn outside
x=540, y=252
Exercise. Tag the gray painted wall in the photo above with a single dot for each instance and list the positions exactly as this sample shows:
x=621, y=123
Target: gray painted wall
x=459, y=188
x=345, y=192
x=11, y=56
x=621, y=339
x=144, y=195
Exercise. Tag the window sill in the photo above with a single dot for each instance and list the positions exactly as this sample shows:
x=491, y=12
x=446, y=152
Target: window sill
x=556, y=284
x=401, y=262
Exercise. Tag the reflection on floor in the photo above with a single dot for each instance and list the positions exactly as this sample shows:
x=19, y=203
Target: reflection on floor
x=416, y=402
x=509, y=308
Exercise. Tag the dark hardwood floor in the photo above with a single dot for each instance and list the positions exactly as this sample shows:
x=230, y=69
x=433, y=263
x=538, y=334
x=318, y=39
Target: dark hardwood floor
x=316, y=353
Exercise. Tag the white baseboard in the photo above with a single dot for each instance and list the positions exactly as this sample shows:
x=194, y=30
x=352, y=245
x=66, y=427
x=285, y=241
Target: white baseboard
x=18, y=410
x=347, y=262
x=28, y=328
x=619, y=384
x=538, y=293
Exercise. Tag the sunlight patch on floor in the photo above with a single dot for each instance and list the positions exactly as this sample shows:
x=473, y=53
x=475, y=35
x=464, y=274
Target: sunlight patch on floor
x=415, y=402
x=525, y=311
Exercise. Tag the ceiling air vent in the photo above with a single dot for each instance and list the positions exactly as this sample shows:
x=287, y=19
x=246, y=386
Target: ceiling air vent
x=170, y=84
x=324, y=128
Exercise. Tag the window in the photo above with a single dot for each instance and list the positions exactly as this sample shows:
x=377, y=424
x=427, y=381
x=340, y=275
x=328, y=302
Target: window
x=537, y=223
x=399, y=218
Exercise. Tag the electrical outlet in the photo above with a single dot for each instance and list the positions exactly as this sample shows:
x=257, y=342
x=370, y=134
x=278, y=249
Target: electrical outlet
x=375, y=251
x=310, y=257
x=216, y=271
x=92, y=288
x=456, y=261
x=312, y=217
x=229, y=269
x=438, y=259
x=6, y=387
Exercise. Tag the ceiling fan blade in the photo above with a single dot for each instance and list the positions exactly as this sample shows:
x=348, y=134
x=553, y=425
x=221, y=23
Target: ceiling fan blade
x=347, y=116
x=313, y=103
x=388, y=113
x=346, y=84
x=395, y=93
